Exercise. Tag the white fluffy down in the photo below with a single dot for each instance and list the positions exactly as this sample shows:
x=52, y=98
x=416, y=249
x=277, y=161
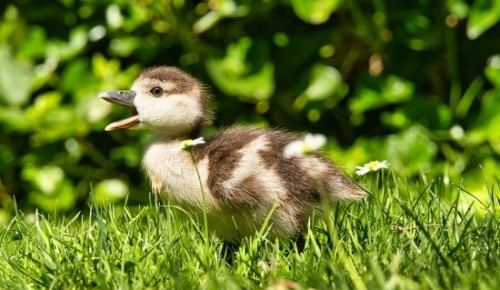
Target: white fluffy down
x=173, y=115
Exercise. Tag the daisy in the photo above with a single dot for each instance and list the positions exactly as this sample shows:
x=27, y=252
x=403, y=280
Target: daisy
x=308, y=145
x=372, y=166
x=189, y=143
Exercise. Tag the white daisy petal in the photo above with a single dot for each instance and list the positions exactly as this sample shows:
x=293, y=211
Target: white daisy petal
x=293, y=149
x=372, y=166
x=189, y=143
x=198, y=141
x=315, y=141
x=384, y=164
x=362, y=170
x=308, y=145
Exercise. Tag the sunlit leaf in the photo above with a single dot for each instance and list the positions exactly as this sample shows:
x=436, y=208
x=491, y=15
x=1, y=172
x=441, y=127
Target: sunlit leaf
x=492, y=70
x=236, y=76
x=483, y=15
x=63, y=200
x=35, y=45
x=110, y=190
x=43, y=105
x=62, y=50
x=114, y=16
x=124, y=46
x=458, y=8
x=411, y=151
x=104, y=68
x=220, y=9
x=324, y=82
x=47, y=179
x=485, y=129
x=315, y=11
x=15, y=79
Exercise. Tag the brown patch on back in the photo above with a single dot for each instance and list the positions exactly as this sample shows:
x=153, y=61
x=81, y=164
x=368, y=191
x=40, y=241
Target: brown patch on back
x=223, y=153
x=245, y=192
x=301, y=187
x=302, y=184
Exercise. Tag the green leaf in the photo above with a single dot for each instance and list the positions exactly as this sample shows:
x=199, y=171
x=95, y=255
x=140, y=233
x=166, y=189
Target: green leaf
x=392, y=90
x=15, y=80
x=483, y=15
x=458, y=8
x=51, y=189
x=251, y=80
x=411, y=151
x=220, y=9
x=315, y=11
x=35, y=44
x=47, y=179
x=124, y=46
x=492, y=71
x=325, y=81
x=64, y=199
x=485, y=129
x=104, y=68
x=425, y=111
x=110, y=190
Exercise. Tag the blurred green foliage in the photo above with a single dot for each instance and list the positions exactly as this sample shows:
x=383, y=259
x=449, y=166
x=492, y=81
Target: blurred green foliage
x=414, y=82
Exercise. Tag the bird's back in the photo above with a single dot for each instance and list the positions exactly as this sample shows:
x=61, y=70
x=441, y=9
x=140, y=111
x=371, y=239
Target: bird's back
x=248, y=165
x=247, y=174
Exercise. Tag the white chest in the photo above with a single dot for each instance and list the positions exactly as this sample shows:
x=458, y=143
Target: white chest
x=172, y=173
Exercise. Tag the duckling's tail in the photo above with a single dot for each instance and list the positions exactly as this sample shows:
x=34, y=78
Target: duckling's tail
x=343, y=188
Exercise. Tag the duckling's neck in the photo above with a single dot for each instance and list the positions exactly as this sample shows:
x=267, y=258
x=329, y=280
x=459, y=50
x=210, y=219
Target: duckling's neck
x=171, y=172
x=167, y=136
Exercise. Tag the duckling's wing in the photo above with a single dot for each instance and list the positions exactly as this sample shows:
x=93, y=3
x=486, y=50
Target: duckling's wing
x=247, y=167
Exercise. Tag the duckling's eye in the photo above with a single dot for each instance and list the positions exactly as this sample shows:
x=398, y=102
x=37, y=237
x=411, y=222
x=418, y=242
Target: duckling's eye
x=156, y=91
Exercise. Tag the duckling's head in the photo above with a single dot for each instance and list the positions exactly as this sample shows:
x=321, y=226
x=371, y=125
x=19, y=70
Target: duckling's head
x=163, y=99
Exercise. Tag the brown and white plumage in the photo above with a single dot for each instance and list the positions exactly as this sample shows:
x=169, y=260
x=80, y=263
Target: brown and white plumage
x=243, y=171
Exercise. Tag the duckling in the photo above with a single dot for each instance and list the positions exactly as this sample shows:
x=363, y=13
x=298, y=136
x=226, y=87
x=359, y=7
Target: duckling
x=243, y=171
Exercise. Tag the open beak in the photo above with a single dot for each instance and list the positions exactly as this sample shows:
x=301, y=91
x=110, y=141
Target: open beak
x=126, y=99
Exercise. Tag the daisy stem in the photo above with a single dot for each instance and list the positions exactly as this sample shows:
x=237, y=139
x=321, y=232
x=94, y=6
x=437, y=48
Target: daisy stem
x=204, y=199
x=373, y=181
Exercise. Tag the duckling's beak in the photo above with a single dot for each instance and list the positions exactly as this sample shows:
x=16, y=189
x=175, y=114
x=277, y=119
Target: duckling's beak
x=123, y=98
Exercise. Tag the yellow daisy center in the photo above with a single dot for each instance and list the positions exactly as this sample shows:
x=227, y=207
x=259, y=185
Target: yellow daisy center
x=372, y=165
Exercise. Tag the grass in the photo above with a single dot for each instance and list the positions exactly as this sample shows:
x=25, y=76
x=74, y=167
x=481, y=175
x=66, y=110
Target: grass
x=403, y=236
